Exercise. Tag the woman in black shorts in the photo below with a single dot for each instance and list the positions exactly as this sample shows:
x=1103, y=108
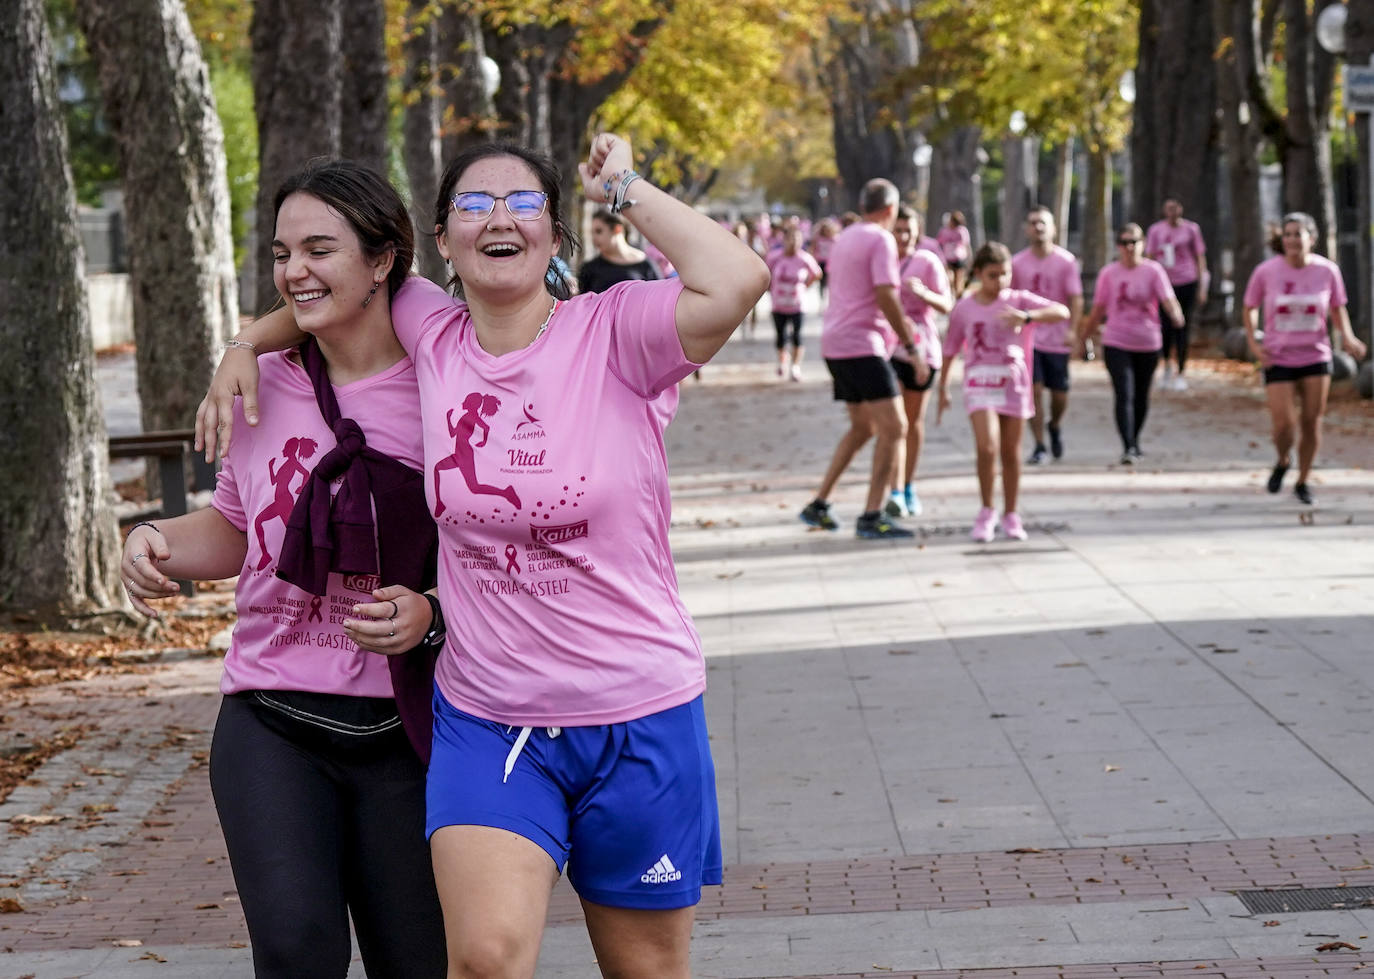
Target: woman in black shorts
x=1300, y=293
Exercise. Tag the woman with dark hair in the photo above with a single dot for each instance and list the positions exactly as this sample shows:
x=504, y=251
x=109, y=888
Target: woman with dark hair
x=991, y=329
x=569, y=726
x=320, y=794
x=955, y=246
x=1301, y=294
x=615, y=260
x=1128, y=296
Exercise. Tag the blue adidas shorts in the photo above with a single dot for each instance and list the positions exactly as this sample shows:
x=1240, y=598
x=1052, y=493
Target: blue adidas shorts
x=630, y=808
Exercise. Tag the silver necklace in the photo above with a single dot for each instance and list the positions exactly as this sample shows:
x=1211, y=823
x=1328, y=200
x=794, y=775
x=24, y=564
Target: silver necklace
x=545, y=325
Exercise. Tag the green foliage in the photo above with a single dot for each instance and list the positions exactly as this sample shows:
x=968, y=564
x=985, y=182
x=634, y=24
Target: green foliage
x=92, y=150
x=233, y=90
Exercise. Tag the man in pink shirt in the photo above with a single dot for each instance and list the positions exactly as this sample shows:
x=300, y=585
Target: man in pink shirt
x=863, y=324
x=1177, y=244
x=1051, y=272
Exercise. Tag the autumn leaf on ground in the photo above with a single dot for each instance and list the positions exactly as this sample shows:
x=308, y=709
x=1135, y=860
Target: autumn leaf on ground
x=1337, y=946
x=127, y=943
x=150, y=955
x=9, y=905
x=1272, y=924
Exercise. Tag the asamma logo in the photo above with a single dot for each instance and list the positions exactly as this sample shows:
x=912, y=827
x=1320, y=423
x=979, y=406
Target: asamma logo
x=662, y=872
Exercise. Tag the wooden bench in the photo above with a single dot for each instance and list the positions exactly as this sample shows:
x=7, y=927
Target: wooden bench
x=170, y=449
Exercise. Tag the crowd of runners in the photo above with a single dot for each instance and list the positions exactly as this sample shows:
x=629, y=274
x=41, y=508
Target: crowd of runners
x=900, y=306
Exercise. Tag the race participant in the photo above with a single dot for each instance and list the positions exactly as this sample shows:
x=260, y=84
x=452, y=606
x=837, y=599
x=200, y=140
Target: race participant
x=1050, y=271
x=955, y=247
x=991, y=328
x=792, y=271
x=1300, y=293
x=1176, y=243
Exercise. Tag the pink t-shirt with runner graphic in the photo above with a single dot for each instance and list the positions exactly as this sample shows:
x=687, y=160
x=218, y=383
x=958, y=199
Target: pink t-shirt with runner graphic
x=1297, y=304
x=1131, y=298
x=865, y=256
x=286, y=638
x=1176, y=248
x=996, y=356
x=930, y=272
x=1054, y=276
x=546, y=472
x=790, y=275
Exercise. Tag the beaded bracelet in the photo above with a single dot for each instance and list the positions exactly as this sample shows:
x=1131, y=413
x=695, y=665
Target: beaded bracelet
x=145, y=523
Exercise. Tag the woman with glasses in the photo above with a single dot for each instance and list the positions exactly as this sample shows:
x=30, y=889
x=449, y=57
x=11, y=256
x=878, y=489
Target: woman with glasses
x=1301, y=293
x=569, y=727
x=1128, y=296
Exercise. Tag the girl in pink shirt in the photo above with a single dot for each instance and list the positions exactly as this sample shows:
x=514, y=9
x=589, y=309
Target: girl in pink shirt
x=991, y=329
x=1299, y=292
x=955, y=244
x=1128, y=296
x=792, y=271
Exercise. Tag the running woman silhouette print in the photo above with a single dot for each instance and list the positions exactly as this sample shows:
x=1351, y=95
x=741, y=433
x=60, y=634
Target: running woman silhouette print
x=283, y=496
x=477, y=408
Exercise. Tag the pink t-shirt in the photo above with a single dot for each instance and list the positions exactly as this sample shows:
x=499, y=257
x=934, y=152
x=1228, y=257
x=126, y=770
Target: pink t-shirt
x=821, y=246
x=930, y=272
x=865, y=256
x=1297, y=303
x=1131, y=298
x=1056, y=278
x=954, y=243
x=926, y=243
x=996, y=374
x=790, y=275
x=1176, y=248
x=285, y=637
x=546, y=472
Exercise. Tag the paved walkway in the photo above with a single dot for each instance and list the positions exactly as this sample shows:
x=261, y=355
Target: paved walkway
x=1052, y=758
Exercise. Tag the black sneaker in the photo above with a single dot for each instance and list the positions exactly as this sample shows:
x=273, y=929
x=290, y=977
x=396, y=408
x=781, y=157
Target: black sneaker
x=1276, y=478
x=817, y=514
x=876, y=525
x=1304, y=494
x=1056, y=442
x=1038, y=456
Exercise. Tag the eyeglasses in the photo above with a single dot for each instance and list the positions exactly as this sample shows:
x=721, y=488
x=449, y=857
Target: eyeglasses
x=1128, y=242
x=523, y=205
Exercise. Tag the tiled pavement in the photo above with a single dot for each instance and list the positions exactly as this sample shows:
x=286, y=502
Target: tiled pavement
x=1049, y=759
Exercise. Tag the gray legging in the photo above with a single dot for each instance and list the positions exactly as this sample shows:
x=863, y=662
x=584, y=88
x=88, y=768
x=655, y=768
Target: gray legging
x=318, y=831
x=1131, y=372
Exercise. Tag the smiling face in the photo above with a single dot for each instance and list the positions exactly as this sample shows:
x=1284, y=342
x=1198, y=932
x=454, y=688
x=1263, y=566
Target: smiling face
x=1297, y=240
x=906, y=241
x=499, y=256
x=319, y=266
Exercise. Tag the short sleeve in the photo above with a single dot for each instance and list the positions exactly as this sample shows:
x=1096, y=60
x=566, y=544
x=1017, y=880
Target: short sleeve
x=226, y=498
x=936, y=279
x=1163, y=290
x=882, y=262
x=418, y=307
x=811, y=263
x=1338, y=294
x=1102, y=288
x=1254, y=289
x=1073, y=281
x=1198, y=243
x=646, y=352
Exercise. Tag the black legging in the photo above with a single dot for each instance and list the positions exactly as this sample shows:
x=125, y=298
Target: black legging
x=317, y=832
x=781, y=321
x=1176, y=337
x=1131, y=372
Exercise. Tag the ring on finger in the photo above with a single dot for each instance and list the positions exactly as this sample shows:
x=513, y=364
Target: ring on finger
x=395, y=610
x=391, y=634
x=134, y=559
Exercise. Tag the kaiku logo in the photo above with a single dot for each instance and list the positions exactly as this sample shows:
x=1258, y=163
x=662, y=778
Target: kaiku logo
x=553, y=536
x=365, y=583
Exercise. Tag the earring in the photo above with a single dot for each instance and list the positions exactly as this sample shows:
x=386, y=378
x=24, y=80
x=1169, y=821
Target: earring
x=370, y=293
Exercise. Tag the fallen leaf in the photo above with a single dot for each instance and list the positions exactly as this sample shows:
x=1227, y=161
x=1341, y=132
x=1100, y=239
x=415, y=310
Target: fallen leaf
x=1111, y=768
x=25, y=819
x=1337, y=946
x=212, y=907
x=1092, y=880
x=760, y=887
x=1272, y=924
x=94, y=807
x=9, y=905
x=946, y=800
x=127, y=943
x=1025, y=849
x=150, y=955
x=126, y=873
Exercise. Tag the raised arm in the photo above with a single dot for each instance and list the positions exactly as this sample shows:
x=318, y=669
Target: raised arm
x=722, y=277
x=238, y=374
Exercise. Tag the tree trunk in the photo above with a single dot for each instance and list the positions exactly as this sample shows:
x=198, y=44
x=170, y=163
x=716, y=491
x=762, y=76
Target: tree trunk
x=420, y=133
x=297, y=86
x=1307, y=149
x=364, y=110
x=1173, y=144
x=470, y=112
x=1359, y=46
x=1063, y=187
x=1233, y=20
x=156, y=94
x=1097, y=212
x=1020, y=156
x=954, y=181
x=59, y=547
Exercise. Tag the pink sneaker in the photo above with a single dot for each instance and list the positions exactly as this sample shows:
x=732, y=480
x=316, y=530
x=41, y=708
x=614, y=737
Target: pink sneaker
x=983, y=525
x=1011, y=526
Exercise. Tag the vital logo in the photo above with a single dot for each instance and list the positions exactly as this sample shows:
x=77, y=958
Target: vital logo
x=553, y=536
x=662, y=872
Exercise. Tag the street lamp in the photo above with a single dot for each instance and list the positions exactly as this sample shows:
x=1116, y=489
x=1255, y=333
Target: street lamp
x=1347, y=30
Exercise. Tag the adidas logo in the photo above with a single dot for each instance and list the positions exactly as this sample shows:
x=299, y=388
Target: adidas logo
x=662, y=872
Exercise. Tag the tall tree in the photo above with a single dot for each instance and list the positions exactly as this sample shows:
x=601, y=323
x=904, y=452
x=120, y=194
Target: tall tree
x=421, y=120
x=156, y=95
x=365, y=112
x=297, y=81
x=1305, y=132
x=1238, y=57
x=58, y=543
x=1174, y=148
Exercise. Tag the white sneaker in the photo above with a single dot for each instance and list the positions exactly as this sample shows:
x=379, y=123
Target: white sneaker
x=1166, y=382
x=796, y=372
x=1180, y=383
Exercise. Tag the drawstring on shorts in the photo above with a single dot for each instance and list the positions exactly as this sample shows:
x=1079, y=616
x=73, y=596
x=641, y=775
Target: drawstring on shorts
x=519, y=746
